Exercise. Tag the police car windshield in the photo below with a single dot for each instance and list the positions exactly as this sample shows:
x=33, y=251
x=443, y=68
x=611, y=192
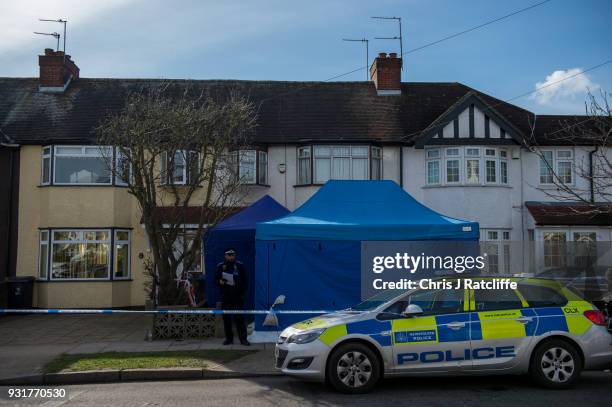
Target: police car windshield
x=376, y=301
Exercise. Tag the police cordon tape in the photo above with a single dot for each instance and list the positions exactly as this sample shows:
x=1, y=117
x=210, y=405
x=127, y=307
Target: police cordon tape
x=157, y=311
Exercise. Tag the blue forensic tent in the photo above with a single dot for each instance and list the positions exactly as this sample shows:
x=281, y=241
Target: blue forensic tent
x=313, y=255
x=238, y=232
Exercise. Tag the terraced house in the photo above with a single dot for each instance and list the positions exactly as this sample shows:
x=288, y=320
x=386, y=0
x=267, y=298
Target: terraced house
x=455, y=149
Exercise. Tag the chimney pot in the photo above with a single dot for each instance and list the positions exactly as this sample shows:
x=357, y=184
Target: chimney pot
x=382, y=55
x=393, y=55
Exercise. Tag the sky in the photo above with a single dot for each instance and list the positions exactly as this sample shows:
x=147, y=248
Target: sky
x=302, y=41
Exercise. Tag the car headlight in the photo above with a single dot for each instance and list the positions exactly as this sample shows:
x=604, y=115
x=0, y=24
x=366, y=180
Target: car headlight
x=305, y=337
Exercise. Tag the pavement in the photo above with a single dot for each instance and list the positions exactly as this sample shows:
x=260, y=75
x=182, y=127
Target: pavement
x=593, y=390
x=29, y=342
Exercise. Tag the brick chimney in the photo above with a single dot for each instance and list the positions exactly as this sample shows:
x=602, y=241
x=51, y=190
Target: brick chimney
x=56, y=71
x=386, y=72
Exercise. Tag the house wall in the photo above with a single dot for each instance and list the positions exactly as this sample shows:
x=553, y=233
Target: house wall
x=76, y=207
x=494, y=207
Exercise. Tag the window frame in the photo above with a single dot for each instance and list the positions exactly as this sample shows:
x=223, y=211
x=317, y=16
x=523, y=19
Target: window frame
x=83, y=154
x=111, y=252
x=49, y=156
x=49, y=152
x=460, y=155
x=555, y=160
x=167, y=177
x=311, y=157
x=503, y=245
x=115, y=242
x=258, y=152
x=43, y=242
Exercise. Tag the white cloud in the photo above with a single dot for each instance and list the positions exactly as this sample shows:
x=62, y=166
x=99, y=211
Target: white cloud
x=556, y=90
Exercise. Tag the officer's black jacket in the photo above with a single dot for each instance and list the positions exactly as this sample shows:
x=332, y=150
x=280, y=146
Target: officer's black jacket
x=236, y=292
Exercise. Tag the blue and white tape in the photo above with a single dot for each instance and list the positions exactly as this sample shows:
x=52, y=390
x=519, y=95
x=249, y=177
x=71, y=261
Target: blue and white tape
x=157, y=311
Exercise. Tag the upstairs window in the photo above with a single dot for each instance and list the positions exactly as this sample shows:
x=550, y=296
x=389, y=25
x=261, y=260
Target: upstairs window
x=304, y=168
x=180, y=167
x=252, y=166
x=320, y=163
x=81, y=165
x=466, y=165
x=559, y=163
x=45, y=174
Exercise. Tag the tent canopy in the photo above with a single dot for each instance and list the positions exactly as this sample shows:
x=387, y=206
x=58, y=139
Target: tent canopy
x=365, y=210
x=237, y=232
x=313, y=255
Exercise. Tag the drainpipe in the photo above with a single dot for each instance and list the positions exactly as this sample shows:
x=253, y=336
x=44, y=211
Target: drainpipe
x=10, y=201
x=592, y=174
x=401, y=166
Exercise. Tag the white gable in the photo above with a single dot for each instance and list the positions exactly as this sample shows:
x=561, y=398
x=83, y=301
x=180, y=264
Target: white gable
x=481, y=122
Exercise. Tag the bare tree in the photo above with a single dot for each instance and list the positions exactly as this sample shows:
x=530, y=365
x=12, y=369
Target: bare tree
x=172, y=147
x=594, y=129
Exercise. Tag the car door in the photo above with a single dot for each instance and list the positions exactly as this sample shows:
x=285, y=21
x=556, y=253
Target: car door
x=435, y=340
x=501, y=328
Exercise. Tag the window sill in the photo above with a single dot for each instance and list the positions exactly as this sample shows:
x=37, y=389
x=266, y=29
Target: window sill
x=255, y=184
x=552, y=187
x=466, y=186
x=71, y=280
x=307, y=185
x=81, y=185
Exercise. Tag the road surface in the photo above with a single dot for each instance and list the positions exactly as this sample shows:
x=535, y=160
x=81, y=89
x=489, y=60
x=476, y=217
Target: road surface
x=595, y=389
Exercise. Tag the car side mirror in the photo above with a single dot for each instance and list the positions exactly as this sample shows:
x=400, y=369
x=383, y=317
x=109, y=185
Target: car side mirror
x=412, y=310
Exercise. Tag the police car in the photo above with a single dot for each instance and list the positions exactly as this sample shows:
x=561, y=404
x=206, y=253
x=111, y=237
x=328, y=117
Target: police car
x=540, y=328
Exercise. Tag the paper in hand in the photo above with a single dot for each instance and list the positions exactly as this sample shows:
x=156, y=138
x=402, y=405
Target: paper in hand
x=228, y=277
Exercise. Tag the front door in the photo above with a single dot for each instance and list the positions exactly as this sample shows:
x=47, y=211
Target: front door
x=438, y=339
x=501, y=328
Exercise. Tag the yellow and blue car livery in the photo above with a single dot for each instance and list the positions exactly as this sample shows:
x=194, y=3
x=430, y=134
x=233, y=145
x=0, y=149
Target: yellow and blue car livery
x=468, y=340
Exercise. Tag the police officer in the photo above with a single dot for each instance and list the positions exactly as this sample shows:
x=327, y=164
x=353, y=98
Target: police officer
x=232, y=282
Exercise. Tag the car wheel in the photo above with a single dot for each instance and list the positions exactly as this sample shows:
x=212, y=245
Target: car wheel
x=556, y=364
x=353, y=368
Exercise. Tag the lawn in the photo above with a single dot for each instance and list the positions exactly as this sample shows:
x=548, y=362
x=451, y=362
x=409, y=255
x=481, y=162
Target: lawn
x=142, y=360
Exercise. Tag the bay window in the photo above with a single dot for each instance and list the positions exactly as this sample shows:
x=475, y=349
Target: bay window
x=82, y=165
x=338, y=162
x=84, y=254
x=464, y=165
x=80, y=254
x=85, y=165
x=559, y=163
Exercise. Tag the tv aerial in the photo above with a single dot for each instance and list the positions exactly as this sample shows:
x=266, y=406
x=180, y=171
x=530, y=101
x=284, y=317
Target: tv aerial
x=366, y=42
x=54, y=34
x=399, y=37
x=60, y=21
